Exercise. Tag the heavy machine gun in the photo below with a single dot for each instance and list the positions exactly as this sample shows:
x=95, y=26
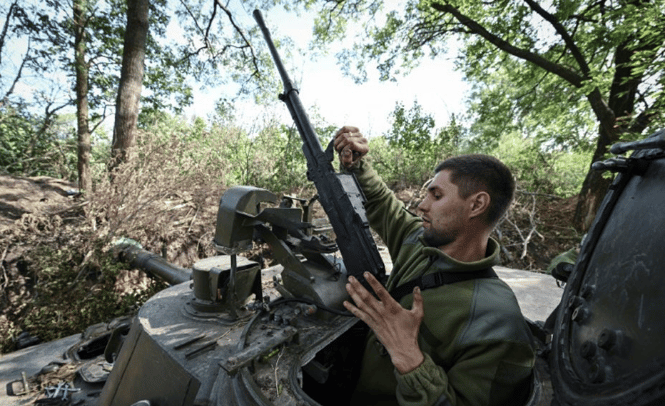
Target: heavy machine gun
x=339, y=193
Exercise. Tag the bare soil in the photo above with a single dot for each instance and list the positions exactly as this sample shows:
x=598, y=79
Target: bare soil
x=39, y=195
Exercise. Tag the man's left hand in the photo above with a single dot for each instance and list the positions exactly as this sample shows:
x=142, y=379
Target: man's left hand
x=396, y=327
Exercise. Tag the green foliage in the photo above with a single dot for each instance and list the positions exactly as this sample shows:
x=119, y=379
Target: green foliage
x=33, y=146
x=557, y=73
x=221, y=44
x=558, y=173
x=505, y=102
x=277, y=161
x=164, y=83
x=411, y=129
x=412, y=147
x=410, y=151
x=270, y=157
x=71, y=296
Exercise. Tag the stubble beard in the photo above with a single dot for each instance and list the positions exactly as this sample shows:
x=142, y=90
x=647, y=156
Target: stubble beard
x=438, y=238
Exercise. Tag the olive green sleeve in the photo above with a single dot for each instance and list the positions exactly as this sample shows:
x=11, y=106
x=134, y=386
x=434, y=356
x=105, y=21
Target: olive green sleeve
x=487, y=374
x=423, y=386
x=477, y=348
x=386, y=214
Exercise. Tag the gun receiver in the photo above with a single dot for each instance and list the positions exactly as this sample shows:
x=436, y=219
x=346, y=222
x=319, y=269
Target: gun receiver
x=339, y=194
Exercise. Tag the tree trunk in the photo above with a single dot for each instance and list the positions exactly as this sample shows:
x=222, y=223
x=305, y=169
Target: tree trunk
x=614, y=120
x=131, y=81
x=594, y=186
x=80, y=64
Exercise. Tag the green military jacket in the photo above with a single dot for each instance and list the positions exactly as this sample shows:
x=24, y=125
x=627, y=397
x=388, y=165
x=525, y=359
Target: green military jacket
x=476, y=343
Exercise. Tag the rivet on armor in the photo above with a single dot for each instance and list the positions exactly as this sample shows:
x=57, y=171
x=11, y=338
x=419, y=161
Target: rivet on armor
x=575, y=302
x=580, y=314
x=607, y=339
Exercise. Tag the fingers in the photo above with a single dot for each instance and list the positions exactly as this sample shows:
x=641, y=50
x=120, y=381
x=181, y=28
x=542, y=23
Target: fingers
x=346, y=156
x=362, y=300
x=361, y=297
x=346, y=136
x=347, y=129
x=380, y=291
x=349, y=136
x=368, y=308
x=394, y=326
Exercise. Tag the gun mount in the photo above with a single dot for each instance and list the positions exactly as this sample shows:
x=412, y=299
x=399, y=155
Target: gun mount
x=310, y=272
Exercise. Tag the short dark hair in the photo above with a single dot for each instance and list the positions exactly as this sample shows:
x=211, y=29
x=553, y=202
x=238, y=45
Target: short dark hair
x=475, y=172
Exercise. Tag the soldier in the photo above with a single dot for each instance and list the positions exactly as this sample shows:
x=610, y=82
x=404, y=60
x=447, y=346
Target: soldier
x=464, y=342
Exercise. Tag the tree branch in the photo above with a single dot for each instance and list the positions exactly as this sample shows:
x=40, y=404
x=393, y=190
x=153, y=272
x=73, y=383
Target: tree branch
x=18, y=75
x=6, y=27
x=567, y=74
x=642, y=121
x=561, y=30
x=207, y=45
x=48, y=116
x=196, y=23
x=242, y=34
x=101, y=120
x=605, y=115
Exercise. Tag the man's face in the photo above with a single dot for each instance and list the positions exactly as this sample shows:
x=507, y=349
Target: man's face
x=444, y=212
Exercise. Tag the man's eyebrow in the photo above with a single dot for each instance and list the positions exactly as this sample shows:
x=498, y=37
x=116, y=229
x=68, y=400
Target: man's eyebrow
x=434, y=188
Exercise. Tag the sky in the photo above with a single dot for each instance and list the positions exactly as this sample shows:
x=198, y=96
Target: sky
x=339, y=100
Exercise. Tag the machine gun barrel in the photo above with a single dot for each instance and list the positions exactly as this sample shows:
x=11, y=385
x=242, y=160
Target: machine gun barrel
x=339, y=194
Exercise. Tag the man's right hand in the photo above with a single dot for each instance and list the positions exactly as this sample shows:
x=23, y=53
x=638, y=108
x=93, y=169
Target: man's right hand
x=351, y=145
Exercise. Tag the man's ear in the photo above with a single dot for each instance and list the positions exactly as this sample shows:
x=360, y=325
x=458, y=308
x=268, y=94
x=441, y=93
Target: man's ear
x=480, y=203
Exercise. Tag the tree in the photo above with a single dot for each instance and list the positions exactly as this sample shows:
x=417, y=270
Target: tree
x=82, y=41
x=215, y=47
x=131, y=80
x=91, y=32
x=81, y=67
x=411, y=129
x=220, y=49
x=27, y=120
x=608, y=53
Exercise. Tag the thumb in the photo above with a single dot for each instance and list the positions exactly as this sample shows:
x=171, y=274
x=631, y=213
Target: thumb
x=346, y=156
x=417, y=306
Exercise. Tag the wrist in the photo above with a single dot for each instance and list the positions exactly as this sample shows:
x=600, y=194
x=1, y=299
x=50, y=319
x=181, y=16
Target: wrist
x=406, y=364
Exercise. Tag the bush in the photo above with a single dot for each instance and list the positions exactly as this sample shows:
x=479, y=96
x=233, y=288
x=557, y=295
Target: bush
x=540, y=171
x=32, y=146
x=410, y=151
x=72, y=294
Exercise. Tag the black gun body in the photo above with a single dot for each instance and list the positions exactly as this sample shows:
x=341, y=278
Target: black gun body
x=339, y=194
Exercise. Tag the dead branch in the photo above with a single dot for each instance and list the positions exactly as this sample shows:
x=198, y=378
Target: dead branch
x=5, y=278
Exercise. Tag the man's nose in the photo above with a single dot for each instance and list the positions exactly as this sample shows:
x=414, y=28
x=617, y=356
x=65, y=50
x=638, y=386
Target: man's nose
x=422, y=206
